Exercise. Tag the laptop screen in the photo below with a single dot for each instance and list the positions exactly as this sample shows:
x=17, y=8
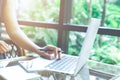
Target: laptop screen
x=88, y=42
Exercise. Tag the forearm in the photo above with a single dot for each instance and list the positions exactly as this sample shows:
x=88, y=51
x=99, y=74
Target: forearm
x=18, y=36
x=22, y=40
x=13, y=28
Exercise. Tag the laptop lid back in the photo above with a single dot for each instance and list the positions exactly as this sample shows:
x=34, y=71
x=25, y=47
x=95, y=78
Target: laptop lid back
x=87, y=43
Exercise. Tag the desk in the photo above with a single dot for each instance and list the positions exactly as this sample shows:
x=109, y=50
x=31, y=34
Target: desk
x=82, y=75
x=116, y=78
x=5, y=62
x=15, y=72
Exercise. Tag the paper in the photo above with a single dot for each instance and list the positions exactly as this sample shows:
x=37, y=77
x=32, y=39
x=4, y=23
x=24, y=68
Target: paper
x=37, y=64
x=17, y=73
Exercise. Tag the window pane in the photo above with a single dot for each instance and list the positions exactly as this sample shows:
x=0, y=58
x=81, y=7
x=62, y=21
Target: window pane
x=41, y=36
x=38, y=10
x=106, y=49
x=75, y=42
x=108, y=12
x=80, y=13
x=112, y=14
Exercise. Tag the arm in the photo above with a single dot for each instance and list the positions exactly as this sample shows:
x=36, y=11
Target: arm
x=16, y=34
x=13, y=28
x=3, y=47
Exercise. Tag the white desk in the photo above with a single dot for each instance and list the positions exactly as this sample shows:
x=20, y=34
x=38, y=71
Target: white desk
x=15, y=72
x=82, y=75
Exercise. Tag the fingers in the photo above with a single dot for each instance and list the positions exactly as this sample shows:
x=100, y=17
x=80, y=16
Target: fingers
x=47, y=56
x=53, y=53
x=3, y=47
x=59, y=54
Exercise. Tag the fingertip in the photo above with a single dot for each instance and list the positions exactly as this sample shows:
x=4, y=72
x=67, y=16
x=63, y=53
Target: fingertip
x=59, y=56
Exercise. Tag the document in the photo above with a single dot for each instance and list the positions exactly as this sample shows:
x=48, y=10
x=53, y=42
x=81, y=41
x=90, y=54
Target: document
x=17, y=73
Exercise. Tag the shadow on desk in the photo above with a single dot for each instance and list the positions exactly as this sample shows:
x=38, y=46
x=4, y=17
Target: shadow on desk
x=2, y=78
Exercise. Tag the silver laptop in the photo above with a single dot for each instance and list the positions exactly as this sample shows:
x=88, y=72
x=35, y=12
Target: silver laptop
x=69, y=64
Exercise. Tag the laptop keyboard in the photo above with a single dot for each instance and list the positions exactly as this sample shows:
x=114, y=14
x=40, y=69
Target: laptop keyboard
x=65, y=64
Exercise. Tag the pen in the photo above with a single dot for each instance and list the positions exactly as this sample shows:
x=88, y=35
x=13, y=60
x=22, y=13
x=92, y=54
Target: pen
x=51, y=50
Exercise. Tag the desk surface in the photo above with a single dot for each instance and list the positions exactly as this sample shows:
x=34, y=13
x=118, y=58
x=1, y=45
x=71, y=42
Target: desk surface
x=12, y=71
x=11, y=62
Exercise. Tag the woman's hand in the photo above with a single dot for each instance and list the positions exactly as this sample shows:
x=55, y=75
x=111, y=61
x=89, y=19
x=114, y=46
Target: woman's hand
x=51, y=52
x=3, y=47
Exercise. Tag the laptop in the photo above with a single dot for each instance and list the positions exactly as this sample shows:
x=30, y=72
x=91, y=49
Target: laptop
x=68, y=64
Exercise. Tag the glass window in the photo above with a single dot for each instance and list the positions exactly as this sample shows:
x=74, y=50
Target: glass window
x=106, y=49
x=41, y=36
x=112, y=14
x=108, y=12
x=75, y=42
x=80, y=12
x=38, y=10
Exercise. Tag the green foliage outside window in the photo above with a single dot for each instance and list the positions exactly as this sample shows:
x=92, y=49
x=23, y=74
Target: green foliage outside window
x=109, y=52
x=39, y=10
x=41, y=36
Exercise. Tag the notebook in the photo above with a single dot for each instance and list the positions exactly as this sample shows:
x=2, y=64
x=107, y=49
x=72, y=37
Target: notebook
x=69, y=64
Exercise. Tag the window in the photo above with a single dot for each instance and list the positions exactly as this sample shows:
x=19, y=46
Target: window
x=41, y=36
x=106, y=49
x=39, y=10
x=63, y=19
x=75, y=42
x=82, y=10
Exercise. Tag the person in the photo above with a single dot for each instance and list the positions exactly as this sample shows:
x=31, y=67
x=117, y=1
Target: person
x=18, y=36
x=3, y=48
